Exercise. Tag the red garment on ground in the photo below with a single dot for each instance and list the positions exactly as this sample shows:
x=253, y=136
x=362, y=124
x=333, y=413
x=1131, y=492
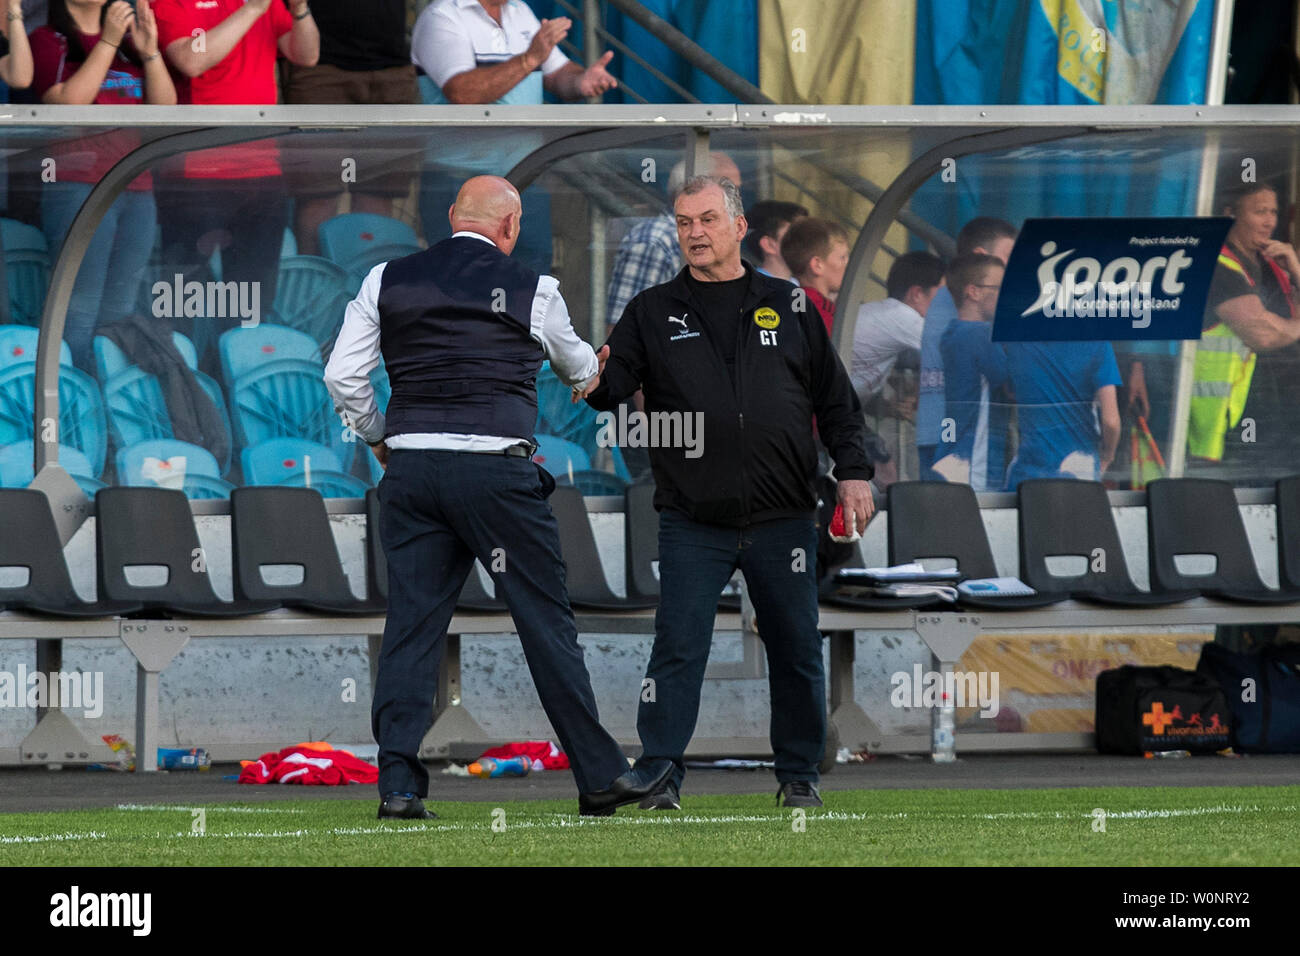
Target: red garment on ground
x=309, y=765
x=544, y=752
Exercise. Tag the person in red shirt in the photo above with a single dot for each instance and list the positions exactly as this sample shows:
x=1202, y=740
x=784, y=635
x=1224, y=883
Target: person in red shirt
x=817, y=253
x=106, y=53
x=223, y=52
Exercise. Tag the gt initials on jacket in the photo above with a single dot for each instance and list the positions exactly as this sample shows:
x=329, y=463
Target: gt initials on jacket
x=758, y=459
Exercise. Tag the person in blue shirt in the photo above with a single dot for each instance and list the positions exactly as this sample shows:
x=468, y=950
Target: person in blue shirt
x=972, y=439
x=1069, y=413
x=984, y=234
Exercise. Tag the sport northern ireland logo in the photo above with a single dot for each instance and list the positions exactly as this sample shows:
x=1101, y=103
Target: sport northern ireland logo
x=1095, y=280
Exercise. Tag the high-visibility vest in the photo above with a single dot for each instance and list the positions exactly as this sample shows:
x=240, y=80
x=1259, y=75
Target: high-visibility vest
x=1223, y=371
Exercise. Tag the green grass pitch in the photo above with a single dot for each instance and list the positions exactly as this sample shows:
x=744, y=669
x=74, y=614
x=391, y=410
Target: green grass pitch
x=1147, y=826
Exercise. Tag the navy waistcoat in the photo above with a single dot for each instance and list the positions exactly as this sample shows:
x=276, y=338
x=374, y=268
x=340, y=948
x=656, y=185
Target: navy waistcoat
x=454, y=330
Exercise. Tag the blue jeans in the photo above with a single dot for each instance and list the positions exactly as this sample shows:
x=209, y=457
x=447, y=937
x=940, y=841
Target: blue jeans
x=439, y=511
x=779, y=561
x=108, y=282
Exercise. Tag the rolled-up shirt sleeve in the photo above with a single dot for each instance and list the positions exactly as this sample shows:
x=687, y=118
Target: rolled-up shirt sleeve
x=572, y=360
x=356, y=354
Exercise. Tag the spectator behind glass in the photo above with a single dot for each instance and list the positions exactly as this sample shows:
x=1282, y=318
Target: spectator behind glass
x=984, y=234
x=817, y=252
x=972, y=446
x=649, y=254
x=891, y=328
x=15, y=50
x=492, y=51
x=232, y=198
x=92, y=52
x=364, y=61
x=768, y=220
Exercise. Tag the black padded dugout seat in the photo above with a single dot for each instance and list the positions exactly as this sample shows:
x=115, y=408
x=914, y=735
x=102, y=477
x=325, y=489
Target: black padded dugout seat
x=933, y=519
x=137, y=527
x=29, y=540
x=273, y=525
x=1065, y=516
x=1188, y=516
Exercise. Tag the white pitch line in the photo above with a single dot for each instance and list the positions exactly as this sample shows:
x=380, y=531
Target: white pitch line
x=563, y=821
x=212, y=808
x=55, y=837
x=280, y=834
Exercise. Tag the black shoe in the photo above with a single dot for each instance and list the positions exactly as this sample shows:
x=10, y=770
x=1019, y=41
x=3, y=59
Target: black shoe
x=798, y=793
x=399, y=806
x=628, y=788
x=666, y=797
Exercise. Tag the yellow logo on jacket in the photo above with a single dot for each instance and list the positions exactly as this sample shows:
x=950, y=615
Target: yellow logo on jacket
x=766, y=318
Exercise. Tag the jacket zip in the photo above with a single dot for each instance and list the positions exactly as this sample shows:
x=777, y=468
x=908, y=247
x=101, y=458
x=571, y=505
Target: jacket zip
x=736, y=391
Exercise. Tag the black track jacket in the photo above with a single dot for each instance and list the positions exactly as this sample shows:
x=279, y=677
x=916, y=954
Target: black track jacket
x=756, y=458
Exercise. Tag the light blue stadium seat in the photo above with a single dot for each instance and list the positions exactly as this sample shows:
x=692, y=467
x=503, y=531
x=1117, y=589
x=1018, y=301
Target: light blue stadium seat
x=359, y=241
x=81, y=411
x=245, y=350
x=287, y=399
x=109, y=359
x=560, y=457
x=18, y=345
x=268, y=462
x=137, y=411
x=311, y=296
x=591, y=482
x=202, y=473
x=289, y=245
x=284, y=461
x=16, y=467
x=27, y=270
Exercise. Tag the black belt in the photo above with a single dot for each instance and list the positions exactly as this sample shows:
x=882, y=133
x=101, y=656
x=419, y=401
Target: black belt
x=520, y=451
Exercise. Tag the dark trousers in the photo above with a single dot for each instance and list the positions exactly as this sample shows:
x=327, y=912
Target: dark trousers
x=439, y=511
x=779, y=562
x=244, y=218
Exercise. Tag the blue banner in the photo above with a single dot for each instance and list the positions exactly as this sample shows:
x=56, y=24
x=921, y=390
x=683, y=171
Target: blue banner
x=1100, y=280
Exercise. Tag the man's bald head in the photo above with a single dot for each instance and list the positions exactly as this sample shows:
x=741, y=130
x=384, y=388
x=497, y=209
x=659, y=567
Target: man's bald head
x=490, y=206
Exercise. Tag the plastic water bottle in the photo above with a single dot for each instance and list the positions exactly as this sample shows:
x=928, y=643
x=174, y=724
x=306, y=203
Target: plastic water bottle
x=171, y=758
x=943, y=727
x=486, y=767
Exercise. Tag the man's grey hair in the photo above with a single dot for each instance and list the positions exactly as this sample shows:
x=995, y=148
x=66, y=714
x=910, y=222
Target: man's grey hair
x=734, y=205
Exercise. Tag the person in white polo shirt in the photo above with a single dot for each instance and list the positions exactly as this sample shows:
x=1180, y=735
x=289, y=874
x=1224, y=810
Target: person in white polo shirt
x=497, y=51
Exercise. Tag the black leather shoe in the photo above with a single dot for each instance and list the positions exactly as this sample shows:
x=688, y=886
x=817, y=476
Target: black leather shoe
x=631, y=787
x=394, y=806
x=798, y=793
x=666, y=797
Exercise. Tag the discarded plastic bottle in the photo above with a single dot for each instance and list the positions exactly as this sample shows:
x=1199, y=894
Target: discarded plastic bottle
x=172, y=758
x=1167, y=754
x=942, y=728
x=501, y=767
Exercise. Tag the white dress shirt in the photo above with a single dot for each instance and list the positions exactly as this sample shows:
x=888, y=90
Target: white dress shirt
x=452, y=37
x=356, y=354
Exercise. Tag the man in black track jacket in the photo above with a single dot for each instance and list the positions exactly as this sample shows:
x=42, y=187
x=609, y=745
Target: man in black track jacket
x=734, y=366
